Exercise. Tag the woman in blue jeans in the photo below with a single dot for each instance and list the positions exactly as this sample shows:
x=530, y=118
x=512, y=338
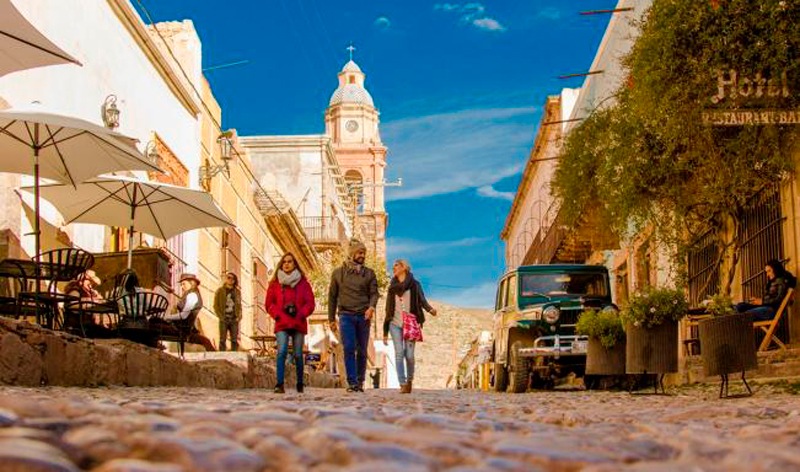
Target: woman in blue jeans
x=405, y=295
x=779, y=281
x=290, y=301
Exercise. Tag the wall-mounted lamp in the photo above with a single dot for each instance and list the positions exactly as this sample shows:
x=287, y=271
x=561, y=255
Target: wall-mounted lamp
x=151, y=152
x=110, y=112
x=225, y=148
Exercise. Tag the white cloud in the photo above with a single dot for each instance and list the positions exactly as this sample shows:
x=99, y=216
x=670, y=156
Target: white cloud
x=472, y=13
x=443, y=153
x=551, y=13
x=489, y=24
x=401, y=247
x=383, y=22
x=446, y=6
x=489, y=191
x=478, y=296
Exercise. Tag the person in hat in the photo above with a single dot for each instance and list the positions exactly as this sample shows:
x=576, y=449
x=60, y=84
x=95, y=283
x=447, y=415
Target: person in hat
x=83, y=287
x=354, y=293
x=228, y=308
x=190, y=302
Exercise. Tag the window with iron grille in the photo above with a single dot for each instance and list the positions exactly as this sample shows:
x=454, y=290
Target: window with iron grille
x=762, y=240
x=703, y=270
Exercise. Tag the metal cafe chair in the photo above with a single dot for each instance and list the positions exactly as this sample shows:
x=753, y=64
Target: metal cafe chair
x=58, y=265
x=136, y=311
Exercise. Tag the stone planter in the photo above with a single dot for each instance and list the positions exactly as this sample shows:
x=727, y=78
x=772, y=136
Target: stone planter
x=604, y=361
x=652, y=350
x=727, y=344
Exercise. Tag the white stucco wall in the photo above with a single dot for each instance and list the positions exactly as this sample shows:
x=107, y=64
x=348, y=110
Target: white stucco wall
x=113, y=63
x=299, y=168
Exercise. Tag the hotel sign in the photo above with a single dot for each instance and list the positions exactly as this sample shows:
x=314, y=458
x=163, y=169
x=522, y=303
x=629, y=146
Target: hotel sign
x=736, y=88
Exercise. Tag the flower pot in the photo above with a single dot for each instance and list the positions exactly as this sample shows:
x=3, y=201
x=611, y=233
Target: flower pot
x=601, y=360
x=652, y=350
x=727, y=344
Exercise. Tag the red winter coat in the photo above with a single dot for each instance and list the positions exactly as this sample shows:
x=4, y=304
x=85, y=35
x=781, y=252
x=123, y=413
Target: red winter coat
x=280, y=295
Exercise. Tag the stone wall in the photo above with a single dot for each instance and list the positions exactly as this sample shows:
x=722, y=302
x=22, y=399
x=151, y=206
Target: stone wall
x=34, y=356
x=444, y=338
x=771, y=365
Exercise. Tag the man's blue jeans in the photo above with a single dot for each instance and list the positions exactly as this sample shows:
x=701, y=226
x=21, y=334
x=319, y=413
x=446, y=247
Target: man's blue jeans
x=283, y=348
x=759, y=312
x=403, y=354
x=355, y=339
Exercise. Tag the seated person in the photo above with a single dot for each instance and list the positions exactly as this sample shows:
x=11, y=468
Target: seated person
x=83, y=287
x=779, y=281
x=190, y=302
x=129, y=306
x=186, y=311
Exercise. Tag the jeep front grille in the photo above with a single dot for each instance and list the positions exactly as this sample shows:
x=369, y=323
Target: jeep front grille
x=569, y=317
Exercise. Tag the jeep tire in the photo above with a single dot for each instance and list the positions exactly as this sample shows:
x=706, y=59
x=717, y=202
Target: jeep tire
x=500, y=377
x=519, y=376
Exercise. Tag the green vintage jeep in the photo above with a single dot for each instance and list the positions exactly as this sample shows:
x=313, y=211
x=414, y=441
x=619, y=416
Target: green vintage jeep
x=536, y=311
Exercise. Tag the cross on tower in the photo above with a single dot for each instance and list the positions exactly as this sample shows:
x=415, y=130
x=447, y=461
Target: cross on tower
x=351, y=48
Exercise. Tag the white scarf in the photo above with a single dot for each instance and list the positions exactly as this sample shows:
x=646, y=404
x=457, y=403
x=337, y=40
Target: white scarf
x=290, y=279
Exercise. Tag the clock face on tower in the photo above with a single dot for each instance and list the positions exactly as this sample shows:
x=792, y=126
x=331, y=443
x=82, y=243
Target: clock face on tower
x=351, y=126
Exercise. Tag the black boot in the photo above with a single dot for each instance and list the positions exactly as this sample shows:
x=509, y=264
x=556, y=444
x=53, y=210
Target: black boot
x=299, y=388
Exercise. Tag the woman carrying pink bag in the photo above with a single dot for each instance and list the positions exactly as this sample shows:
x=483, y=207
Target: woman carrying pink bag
x=404, y=319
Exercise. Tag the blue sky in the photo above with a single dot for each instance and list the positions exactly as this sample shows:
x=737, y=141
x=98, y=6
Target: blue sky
x=459, y=86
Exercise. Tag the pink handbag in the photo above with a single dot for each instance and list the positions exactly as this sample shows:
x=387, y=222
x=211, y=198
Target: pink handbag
x=412, y=331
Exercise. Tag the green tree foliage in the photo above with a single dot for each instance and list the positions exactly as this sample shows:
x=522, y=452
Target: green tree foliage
x=320, y=279
x=651, y=161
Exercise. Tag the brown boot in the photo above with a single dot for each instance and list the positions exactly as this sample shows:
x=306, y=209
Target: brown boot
x=404, y=388
x=408, y=386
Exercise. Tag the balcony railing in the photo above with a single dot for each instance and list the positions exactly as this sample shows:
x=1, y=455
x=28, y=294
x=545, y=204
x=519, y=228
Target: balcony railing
x=323, y=229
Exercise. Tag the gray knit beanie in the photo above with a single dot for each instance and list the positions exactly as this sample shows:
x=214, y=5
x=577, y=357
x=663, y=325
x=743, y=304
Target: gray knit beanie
x=355, y=246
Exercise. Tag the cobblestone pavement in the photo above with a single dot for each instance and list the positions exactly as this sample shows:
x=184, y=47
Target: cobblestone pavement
x=173, y=429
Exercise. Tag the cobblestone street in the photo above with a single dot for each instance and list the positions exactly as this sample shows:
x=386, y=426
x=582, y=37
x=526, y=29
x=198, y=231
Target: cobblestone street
x=172, y=429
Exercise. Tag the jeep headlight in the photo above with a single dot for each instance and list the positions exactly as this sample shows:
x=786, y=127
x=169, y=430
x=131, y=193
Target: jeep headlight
x=551, y=314
x=611, y=309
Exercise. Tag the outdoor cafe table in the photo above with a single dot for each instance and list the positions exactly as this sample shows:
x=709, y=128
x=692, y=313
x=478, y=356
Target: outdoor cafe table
x=25, y=270
x=93, y=308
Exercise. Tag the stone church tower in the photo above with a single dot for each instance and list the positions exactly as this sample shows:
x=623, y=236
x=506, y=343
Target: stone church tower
x=351, y=121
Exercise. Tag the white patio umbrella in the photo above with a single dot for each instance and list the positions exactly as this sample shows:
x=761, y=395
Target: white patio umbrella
x=22, y=46
x=157, y=209
x=64, y=149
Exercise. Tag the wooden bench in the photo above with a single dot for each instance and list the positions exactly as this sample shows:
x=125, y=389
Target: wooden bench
x=770, y=326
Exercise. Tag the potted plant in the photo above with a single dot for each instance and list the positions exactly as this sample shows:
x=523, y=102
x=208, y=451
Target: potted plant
x=651, y=324
x=605, y=354
x=727, y=341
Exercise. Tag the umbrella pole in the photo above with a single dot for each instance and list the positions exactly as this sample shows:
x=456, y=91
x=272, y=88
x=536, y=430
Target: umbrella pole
x=130, y=228
x=37, y=245
x=130, y=245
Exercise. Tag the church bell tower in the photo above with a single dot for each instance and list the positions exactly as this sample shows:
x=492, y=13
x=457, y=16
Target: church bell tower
x=352, y=123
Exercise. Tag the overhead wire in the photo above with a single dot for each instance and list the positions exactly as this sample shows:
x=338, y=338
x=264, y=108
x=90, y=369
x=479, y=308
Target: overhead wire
x=312, y=33
x=205, y=106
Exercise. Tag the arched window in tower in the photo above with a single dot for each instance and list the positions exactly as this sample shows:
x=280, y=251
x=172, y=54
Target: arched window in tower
x=352, y=79
x=355, y=181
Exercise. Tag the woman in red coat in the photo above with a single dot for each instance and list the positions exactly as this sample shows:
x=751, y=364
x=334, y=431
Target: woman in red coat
x=290, y=301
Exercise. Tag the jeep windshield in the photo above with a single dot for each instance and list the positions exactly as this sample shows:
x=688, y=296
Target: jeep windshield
x=564, y=285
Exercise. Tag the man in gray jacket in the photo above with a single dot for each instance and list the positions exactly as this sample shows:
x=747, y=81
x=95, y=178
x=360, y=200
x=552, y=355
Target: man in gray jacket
x=354, y=293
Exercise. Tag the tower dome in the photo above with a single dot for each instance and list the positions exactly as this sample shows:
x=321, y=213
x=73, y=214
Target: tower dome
x=351, y=87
